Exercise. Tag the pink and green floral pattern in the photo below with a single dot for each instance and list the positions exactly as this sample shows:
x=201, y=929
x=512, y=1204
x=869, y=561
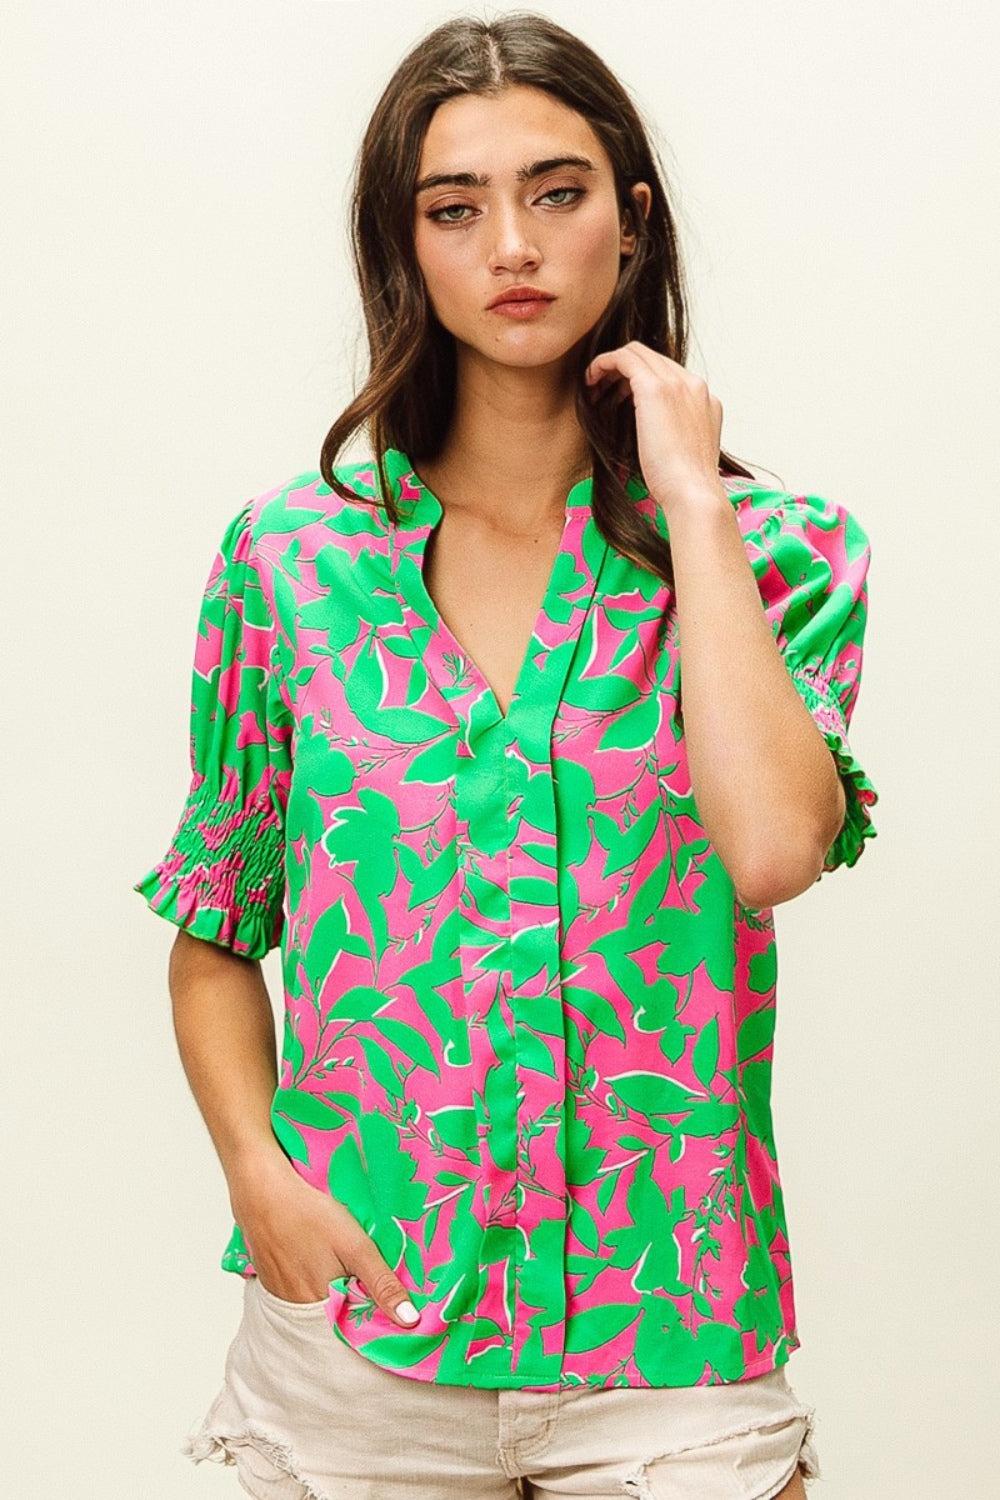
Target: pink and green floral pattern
x=528, y=1029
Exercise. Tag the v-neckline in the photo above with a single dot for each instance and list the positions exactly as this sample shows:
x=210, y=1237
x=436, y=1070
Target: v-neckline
x=448, y=662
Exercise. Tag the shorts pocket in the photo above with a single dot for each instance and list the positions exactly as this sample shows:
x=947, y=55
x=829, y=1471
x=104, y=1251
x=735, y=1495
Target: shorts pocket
x=296, y=1309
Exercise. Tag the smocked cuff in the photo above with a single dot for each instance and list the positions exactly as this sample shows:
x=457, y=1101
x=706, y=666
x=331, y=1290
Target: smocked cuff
x=222, y=877
x=821, y=699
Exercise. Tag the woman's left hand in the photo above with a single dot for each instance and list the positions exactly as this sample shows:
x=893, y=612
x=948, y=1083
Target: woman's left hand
x=678, y=420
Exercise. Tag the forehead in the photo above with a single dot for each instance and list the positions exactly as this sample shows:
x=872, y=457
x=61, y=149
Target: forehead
x=477, y=132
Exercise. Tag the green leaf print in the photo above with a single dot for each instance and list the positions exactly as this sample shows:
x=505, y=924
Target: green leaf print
x=533, y=1053
x=722, y=1346
x=321, y=770
x=855, y=539
x=689, y=943
x=427, y=881
x=360, y=1003
x=583, y=1161
x=533, y=891
x=292, y=1050
x=282, y=517
x=565, y=580
x=411, y=1042
x=648, y=1240
x=601, y=694
x=348, y=1181
x=705, y=1057
x=668, y=1352
x=291, y=1141
x=663, y=1344
x=342, y=628
x=439, y=1016
x=587, y=1268
x=764, y=970
x=595, y=1008
x=365, y=687
x=634, y=728
x=584, y=1226
x=759, y=1309
x=708, y=1118
x=392, y=1171
x=400, y=645
x=401, y=1351
x=598, y=1325
x=756, y=1032
x=755, y=1081
x=627, y=845
x=307, y=1109
x=330, y=937
x=456, y=1126
x=435, y=765
x=574, y=797
x=608, y=1188
x=381, y=1067
x=653, y=1093
x=418, y=684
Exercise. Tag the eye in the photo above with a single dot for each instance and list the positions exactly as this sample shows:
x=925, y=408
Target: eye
x=576, y=191
x=438, y=214
x=444, y=215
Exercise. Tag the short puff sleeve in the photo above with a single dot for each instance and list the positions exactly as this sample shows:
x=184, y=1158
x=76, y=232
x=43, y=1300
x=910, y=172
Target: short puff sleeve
x=810, y=558
x=222, y=877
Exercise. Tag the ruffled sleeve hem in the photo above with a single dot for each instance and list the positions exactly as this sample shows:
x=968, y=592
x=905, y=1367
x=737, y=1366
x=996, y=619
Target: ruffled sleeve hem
x=820, y=698
x=221, y=879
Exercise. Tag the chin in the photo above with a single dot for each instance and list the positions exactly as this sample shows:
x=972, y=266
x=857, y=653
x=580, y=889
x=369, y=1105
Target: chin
x=526, y=349
x=525, y=359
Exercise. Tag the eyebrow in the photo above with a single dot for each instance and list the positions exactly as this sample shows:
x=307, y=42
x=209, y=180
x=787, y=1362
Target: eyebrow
x=483, y=180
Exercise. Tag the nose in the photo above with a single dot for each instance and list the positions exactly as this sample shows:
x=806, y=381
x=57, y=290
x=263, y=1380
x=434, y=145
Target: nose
x=513, y=243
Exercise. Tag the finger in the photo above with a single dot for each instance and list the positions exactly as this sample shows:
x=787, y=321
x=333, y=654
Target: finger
x=621, y=363
x=384, y=1286
x=602, y=388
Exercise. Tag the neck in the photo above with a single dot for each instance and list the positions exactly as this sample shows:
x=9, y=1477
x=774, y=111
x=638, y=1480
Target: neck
x=514, y=448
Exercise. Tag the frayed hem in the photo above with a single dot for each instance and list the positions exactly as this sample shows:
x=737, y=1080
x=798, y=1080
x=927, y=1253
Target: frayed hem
x=808, y=1457
x=636, y=1483
x=246, y=1450
x=806, y=1461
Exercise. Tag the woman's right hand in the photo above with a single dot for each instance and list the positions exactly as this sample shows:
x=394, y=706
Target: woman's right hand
x=299, y=1239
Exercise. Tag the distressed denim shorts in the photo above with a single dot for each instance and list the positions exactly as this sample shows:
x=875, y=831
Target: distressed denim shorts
x=304, y=1417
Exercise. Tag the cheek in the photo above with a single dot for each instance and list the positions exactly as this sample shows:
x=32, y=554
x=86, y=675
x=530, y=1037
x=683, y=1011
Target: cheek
x=441, y=268
x=599, y=257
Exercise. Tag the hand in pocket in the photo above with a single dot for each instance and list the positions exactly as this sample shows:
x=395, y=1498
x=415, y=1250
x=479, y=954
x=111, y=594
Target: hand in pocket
x=300, y=1239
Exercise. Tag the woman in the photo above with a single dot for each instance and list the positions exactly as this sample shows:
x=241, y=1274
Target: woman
x=511, y=735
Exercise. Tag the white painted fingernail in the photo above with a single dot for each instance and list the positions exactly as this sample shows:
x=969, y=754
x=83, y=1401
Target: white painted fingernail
x=407, y=1312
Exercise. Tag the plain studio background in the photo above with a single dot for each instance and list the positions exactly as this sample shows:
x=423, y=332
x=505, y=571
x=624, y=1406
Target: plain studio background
x=180, y=327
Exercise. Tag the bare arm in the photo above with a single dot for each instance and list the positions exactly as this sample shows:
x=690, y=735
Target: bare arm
x=764, y=779
x=299, y=1239
x=767, y=787
x=225, y=1035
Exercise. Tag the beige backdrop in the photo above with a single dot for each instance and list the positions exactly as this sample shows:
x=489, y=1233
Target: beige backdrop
x=179, y=329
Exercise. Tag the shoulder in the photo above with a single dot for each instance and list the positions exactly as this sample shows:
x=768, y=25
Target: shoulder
x=273, y=522
x=306, y=499
x=780, y=519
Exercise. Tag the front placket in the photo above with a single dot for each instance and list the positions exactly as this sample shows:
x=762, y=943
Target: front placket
x=532, y=984
x=510, y=945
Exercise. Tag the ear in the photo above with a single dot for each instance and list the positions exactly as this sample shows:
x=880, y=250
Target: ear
x=642, y=200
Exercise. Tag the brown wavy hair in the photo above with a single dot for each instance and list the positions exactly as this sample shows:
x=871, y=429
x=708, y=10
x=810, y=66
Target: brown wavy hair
x=407, y=399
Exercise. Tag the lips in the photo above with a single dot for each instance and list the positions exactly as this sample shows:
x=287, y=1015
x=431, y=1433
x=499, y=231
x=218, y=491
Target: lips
x=522, y=294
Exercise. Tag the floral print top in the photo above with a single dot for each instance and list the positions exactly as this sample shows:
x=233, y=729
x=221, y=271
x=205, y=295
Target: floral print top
x=528, y=1029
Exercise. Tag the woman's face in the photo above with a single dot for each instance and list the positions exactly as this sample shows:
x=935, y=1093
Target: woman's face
x=521, y=214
